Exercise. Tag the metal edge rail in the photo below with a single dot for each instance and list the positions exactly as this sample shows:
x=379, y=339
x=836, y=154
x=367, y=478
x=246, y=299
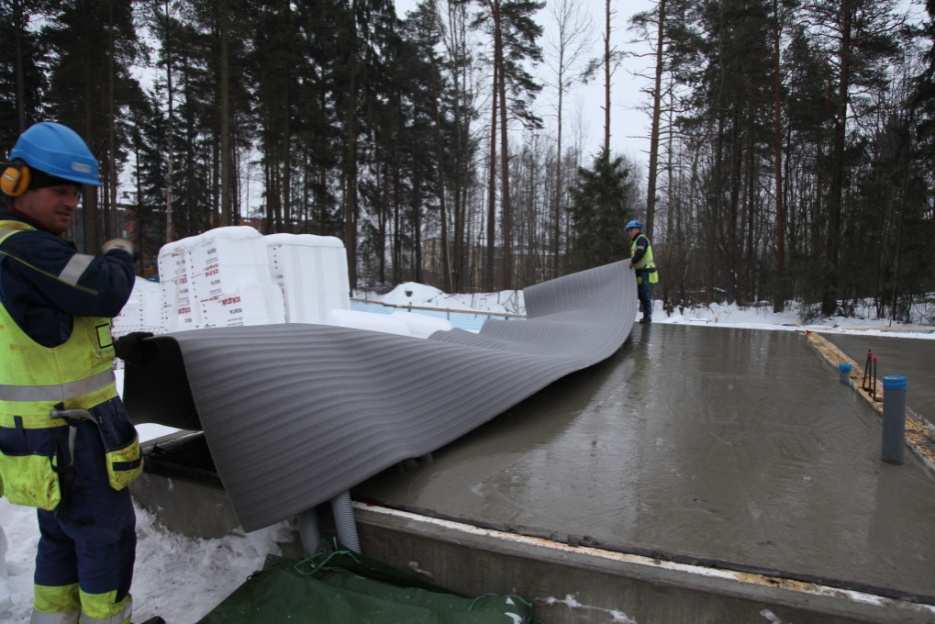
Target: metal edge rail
x=448, y=311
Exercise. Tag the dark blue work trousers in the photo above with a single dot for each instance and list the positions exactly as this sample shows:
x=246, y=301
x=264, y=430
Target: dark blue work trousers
x=645, y=293
x=90, y=539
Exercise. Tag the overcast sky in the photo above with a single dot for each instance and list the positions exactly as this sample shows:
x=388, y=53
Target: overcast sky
x=584, y=103
x=629, y=124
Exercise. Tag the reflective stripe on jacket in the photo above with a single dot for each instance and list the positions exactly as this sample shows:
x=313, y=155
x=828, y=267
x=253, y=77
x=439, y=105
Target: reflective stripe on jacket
x=646, y=264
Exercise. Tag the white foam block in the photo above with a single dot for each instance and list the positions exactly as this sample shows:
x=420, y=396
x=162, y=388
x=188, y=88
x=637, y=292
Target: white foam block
x=420, y=325
x=365, y=320
x=311, y=272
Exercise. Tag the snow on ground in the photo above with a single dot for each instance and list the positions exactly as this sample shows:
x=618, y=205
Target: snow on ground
x=763, y=317
x=722, y=315
x=176, y=577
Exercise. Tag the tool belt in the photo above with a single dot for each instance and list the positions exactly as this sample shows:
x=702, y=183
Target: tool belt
x=124, y=463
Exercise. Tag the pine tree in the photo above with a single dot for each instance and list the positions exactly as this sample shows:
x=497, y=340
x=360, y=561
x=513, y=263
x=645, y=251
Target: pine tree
x=515, y=36
x=859, y=35
x=22, y=81
x=603, y=199
x=93, y=45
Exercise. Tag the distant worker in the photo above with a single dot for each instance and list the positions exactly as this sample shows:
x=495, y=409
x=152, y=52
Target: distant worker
x=67, y=446
x=641, y=259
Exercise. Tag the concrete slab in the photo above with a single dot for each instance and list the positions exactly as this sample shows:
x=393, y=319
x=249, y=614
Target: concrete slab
x=914, y=358
x=722, y=447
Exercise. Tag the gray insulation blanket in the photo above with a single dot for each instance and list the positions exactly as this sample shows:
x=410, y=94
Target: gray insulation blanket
x=296, y=414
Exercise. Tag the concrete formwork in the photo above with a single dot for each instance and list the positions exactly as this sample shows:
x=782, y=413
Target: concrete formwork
x=914, y=358
x=586, y=585
x=700, y=474
x=722, y=447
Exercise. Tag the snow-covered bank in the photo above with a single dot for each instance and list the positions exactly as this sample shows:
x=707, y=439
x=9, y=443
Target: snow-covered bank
x=723, y=315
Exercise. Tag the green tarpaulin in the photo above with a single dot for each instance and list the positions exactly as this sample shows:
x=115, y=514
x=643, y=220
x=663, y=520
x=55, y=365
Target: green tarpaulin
x=345, y=588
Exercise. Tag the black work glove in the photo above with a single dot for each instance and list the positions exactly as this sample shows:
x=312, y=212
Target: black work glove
x=131, y=348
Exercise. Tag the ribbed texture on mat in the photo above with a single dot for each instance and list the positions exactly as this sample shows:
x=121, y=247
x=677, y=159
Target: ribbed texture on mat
x=296, y=414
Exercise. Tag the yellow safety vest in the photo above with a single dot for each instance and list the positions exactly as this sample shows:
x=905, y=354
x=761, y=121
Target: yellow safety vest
x=34, y=379
x=646, y=263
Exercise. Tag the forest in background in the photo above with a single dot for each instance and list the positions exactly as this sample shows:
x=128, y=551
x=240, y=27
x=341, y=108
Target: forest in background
x=791, y=153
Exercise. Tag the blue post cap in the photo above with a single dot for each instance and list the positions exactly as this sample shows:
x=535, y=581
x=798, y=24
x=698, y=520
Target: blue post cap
x=894, y=382
x=844, y=367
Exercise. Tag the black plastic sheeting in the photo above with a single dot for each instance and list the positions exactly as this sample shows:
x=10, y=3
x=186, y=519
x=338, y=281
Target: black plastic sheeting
x=296, y=414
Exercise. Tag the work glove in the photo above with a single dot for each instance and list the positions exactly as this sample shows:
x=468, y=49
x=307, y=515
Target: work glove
x=131, y=348
x=118, y=243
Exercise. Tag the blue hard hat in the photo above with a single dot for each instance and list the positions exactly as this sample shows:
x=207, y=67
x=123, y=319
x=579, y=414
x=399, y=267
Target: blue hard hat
x=633, y=224
x=58, y=151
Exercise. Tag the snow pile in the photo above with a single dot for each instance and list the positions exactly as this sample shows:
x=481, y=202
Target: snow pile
x=412, y=293
x=182, y=579
x=416, y=294
x=179, y=578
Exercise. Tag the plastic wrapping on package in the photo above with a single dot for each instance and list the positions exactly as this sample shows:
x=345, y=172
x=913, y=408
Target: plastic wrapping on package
x=143, y=310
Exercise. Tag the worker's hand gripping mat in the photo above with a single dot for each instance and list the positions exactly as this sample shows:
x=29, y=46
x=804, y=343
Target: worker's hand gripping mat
x=296, y=414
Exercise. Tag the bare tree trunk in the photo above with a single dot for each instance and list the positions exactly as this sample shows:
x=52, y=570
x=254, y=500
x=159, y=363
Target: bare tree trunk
x=140, y=222
x=506, y=208
x=672, y=204
x=492, y=187
x=170, y=232
x=286, y=142
x=835, y=196
x=381, y=178
x=572, y=29
x=779, y=298
x=90, y=192
x=607, y=61
x=440, y=171
x=225, y=115
x=20, y=27
x=110, y=177
x=654, y=133
x=397, y=252
x=350, y=157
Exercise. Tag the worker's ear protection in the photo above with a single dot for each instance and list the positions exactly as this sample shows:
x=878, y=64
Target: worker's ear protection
x=15, y=179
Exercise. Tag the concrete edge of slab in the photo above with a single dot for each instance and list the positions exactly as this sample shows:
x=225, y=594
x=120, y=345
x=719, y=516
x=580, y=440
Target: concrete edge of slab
x=920, y=433
x=732, y=584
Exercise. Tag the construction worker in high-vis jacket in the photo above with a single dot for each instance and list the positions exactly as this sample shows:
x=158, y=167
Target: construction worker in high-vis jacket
x=66, y=444
x=641, y=259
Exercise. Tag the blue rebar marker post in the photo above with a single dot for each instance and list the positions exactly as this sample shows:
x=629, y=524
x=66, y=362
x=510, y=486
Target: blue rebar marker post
x=845, y=370
x=894, y=418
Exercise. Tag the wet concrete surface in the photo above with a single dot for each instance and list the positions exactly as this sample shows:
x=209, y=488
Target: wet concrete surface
x=914, y=358
x=718, y=446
